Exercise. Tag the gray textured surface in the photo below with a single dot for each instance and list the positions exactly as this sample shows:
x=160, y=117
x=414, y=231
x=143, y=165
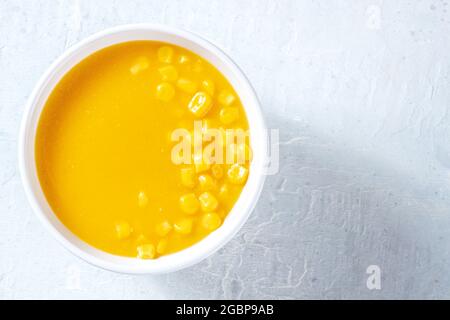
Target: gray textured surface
x=360, y=91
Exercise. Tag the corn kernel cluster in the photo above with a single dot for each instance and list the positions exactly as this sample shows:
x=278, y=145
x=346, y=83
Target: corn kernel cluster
x=207, y=184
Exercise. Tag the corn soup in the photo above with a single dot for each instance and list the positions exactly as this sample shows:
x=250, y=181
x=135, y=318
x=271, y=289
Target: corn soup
x=104, y=149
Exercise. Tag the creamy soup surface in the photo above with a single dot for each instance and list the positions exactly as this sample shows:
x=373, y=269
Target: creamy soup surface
x=104, y=149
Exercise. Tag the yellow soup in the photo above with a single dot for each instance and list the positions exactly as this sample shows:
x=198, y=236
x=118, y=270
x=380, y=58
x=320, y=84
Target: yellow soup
x=111, y=149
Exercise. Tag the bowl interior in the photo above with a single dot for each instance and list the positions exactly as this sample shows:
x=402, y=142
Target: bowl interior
x=241, y=210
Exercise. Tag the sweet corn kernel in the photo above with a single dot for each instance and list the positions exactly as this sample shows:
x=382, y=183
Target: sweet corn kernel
x=200, y=163
x=141, y=64
x=189, y=203
x=226, y=98
x=208, y=202
x=237, y=174
x=200, y=104
x=161, y=247
x=188, y=177
x=168, y=73
x=224, y=192
x=228, y=115
x=146, y=251
x=123, y=230
x=142, y=199
x=211, y=221
x=208, y=87
x=217, y=171
x=165, y=92
x=165, y=54
x=163, y=228
x=183, y=59
x=183, y=226
x=186, y=85
x=207, y=182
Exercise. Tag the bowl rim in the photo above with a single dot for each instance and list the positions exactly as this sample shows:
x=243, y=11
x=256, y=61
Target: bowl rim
x=186, y=257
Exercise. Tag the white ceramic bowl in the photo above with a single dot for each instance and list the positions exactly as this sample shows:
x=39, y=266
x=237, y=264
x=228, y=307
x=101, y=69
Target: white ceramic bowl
x=241, y=209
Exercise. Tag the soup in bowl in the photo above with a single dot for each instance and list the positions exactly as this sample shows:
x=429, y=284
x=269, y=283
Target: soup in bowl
x=143, y=149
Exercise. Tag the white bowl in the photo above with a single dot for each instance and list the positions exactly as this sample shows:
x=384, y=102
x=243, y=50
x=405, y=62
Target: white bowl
x=241, y=210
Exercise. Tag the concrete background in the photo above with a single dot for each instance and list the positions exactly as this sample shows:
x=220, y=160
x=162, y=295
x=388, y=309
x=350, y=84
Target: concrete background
x=360, y=92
